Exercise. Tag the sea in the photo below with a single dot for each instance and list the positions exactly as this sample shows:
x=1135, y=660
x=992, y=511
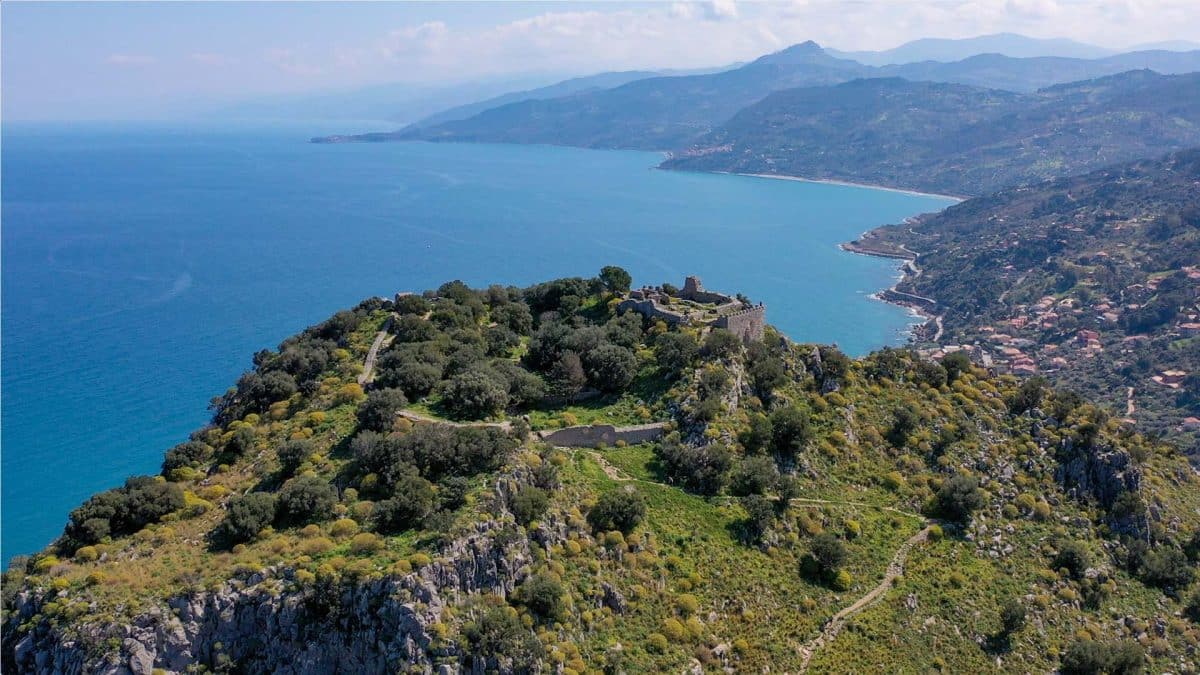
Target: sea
x=143, y=264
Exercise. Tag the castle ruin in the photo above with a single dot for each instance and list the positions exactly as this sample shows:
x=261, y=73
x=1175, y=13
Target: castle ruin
x=695, y=305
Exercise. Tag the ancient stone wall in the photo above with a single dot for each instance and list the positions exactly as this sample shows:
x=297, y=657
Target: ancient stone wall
x=748, y=324
x=592, y=435
x=650, y=310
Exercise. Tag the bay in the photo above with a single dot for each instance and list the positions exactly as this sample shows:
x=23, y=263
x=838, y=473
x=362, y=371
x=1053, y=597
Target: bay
x=142, y=265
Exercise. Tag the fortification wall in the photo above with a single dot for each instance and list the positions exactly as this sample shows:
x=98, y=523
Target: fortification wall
x=592, y=435
x=650, y=310
x=747, y=324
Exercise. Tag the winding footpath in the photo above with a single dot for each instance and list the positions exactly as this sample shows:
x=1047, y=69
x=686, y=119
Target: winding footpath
x=835, y=624
x=369, y=364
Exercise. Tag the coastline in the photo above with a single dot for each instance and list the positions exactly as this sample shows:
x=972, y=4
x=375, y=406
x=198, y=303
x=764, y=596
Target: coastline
x=846, y=183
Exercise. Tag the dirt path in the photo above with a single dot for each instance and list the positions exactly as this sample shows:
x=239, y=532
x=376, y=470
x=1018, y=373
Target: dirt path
x=426, y=419
x=1129, y=407
x=369, y=364
x=836, y=623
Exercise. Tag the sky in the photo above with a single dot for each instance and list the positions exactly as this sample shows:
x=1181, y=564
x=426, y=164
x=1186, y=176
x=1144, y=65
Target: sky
x=114, y=60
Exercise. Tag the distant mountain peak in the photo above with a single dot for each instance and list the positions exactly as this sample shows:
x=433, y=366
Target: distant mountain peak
x=804, y=52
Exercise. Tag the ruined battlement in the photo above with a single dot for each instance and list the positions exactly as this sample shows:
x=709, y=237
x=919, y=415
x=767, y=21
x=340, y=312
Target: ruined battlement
x=747, y=322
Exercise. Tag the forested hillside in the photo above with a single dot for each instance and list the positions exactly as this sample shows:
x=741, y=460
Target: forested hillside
x=950, y=138
x=374, y=496
x=1092, y=281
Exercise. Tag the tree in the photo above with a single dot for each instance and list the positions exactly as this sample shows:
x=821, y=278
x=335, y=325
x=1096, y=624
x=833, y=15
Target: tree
x=753, y=476
x=959, y=497
x=675, y=351
x=620, y=509
x=1012, y=616
x=246, y=517
x=475, y=394
x=700, y=469
x=498, y=633
x=720, y=343
x=1087, y=657
x=566, y=375
x=767, y=374
x=956, y=363
x=1166, y=567
x=529, y=503
x=189, y=454
x=411, y=502
x=378, y=412
x=1028, y=396
x=516, y=316
x=306, y=499
x=905, y=420
x=829, y=553
x=790, y=430
x=610, y=368
x=409, y=328
x=292, y=454
x=1073, y=557
x=616, y=280
x=412, y=304
x=542, y=594
x=756, y=437
x=760, y=515
x=415, y=378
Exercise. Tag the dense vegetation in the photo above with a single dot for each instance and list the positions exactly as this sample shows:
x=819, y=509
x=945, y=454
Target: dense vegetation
x=1094, y=279
x=953, y=138
x=1030, y=530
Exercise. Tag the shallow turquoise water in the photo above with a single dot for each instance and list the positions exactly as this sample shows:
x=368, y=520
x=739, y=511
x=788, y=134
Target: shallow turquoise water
x=142, y=266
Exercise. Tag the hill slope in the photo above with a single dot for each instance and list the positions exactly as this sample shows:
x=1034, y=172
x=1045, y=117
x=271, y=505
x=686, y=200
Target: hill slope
x=1091, y=280
x=953, y=138
x=802, y=511
x=670, y=112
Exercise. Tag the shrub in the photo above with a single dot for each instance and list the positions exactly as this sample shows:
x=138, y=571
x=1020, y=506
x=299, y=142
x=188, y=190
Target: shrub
x=675, y=351
x=1166, y=567
x=124, y=510
x=185, y=455
x=1087, y=657
x=87, y=554
x=475, y=393
x=721, y=343
x=829, y=552
x=687, y=604
x=1192, y=608
x=542, y=594
x=1012, y=616
x=657, y=642
x=842, y=581
x=304, y=500
x=378, y=412
x=959, y=497
x=343, y=527
x=620, y=509
x=246, y=517
x=410, y=504
x=499, y=633
x=1073, y=557
x=365, y=543
x=790, y=430
x=674, y=630
x=529, y=503
x=292, y=454
x=756, y=437
x=760, y=515
x=699, y=469
x=753, y=476
x=610, y=367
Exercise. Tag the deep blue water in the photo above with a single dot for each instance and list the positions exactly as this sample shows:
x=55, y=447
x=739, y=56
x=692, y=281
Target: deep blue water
x=142, y=266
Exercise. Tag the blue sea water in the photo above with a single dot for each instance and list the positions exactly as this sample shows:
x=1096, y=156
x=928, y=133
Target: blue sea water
x=143, y=265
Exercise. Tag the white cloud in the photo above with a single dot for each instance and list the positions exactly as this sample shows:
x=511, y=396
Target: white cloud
x=692, y=34
x=129, y=60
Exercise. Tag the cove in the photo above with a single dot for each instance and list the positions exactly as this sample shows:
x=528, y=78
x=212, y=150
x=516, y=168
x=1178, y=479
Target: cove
x=144, y=264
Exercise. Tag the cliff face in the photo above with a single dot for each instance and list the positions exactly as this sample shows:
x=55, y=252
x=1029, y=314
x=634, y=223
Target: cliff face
x=382, y=625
